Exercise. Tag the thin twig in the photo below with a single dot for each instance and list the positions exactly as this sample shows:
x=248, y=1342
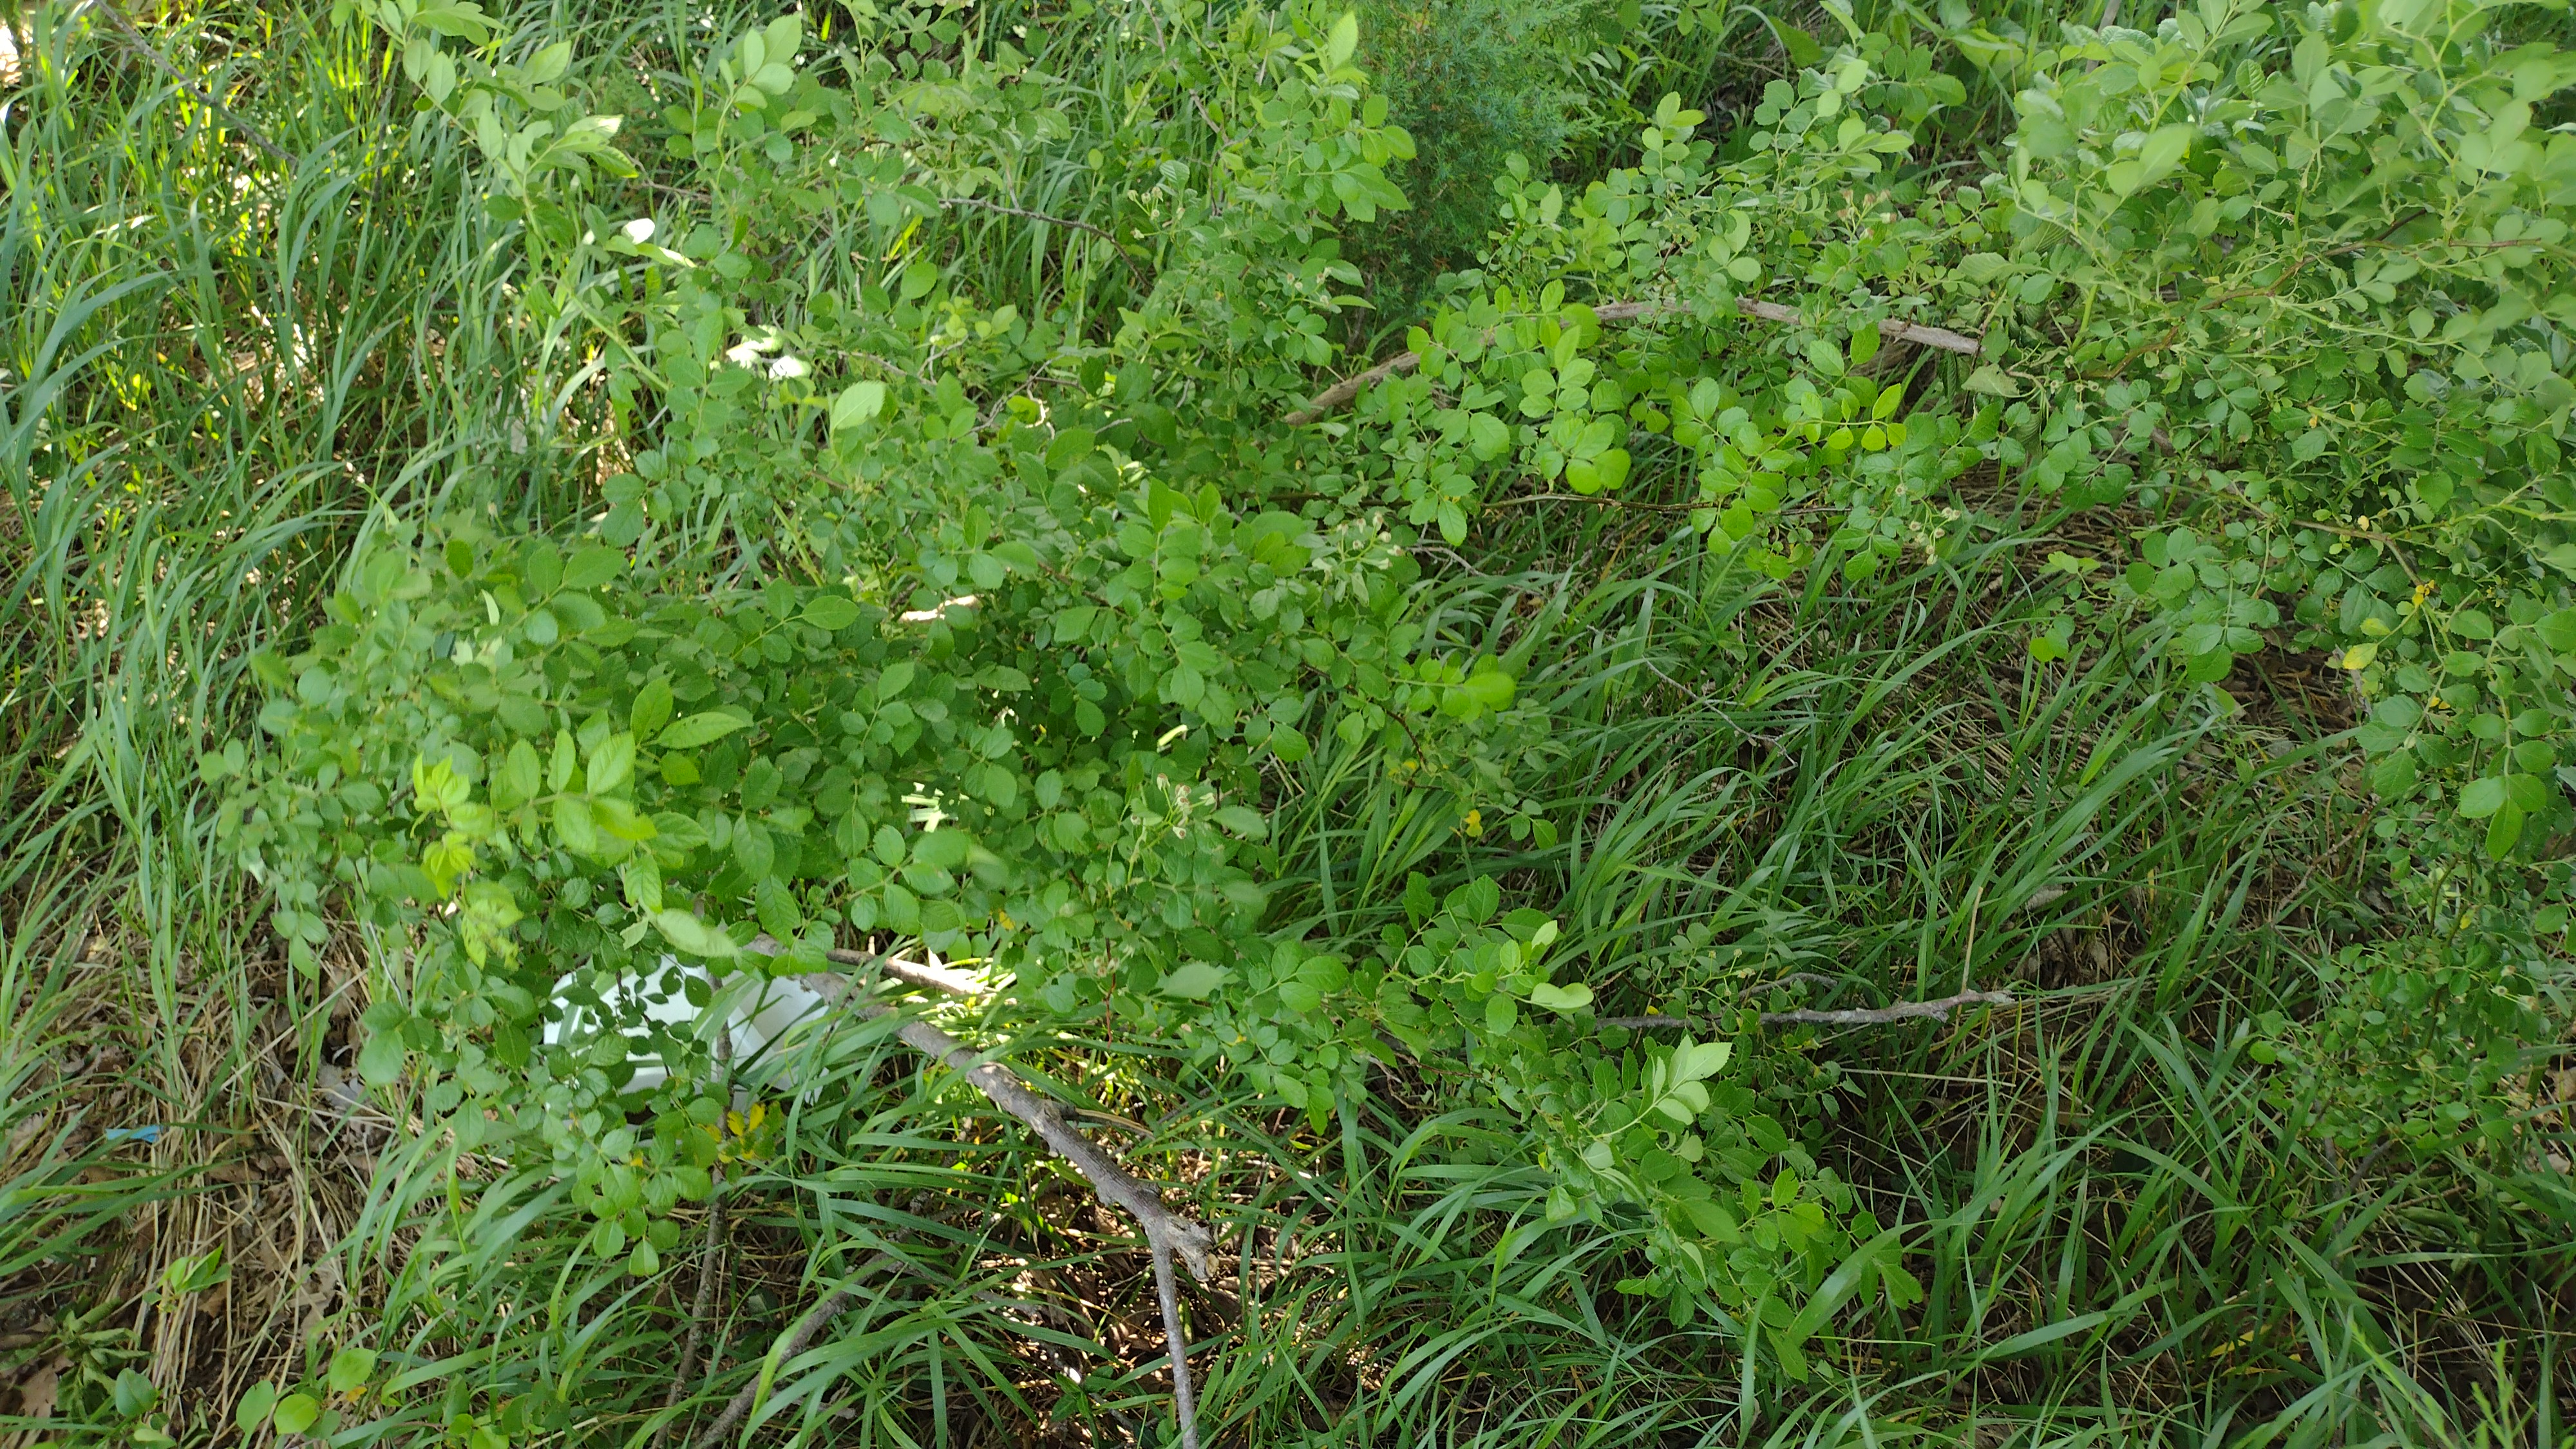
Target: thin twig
x=1166, y=1232
x=1065, y=221
x=134, y=40
x=792, y=1344
x=1334, y=398
x=1794, y=978
x=710, y=1269
x=1178, y=1344
x=2395, y=546
x=1889, y=328
x=914, y=973
x=1877, y=1016
x=682, y=192
x=1603, y=501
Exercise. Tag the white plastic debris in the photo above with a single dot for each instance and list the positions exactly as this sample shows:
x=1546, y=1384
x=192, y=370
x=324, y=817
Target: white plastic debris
x=759, y=1010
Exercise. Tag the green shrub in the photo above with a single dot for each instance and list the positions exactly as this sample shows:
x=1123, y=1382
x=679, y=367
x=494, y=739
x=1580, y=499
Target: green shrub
x=1474, y=82
x=994, y=608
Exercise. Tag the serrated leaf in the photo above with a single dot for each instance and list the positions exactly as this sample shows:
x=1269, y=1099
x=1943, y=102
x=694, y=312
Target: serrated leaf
x=652, y=707
x=2558, y=631
x=575, y=829
x=940, y=849
x=519, y=778
x=1704, y=1060
x=1343, y=43
x=548, y=65
x=678, y=832
x=2504, y=831
x=1979, y=268
x=783, y=35
x=621, y=819
x=2162, y=151
x=611, y=764
x=2482, y=798
x=642, y=878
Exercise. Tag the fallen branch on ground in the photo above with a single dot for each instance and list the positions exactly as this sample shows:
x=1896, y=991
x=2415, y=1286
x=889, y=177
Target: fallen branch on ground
x=1334, y=398
x=1166, y=1232
x=1866, y=1016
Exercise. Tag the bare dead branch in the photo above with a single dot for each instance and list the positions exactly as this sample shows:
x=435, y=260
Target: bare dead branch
x=911, y=973
x=1334, y=398
x=1893, y=330
x=1868, y=1016
x=1166, y=1232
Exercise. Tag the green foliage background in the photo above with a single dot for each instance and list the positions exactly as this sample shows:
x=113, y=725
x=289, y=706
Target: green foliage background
x=1883, y=504
x=1474, y=83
